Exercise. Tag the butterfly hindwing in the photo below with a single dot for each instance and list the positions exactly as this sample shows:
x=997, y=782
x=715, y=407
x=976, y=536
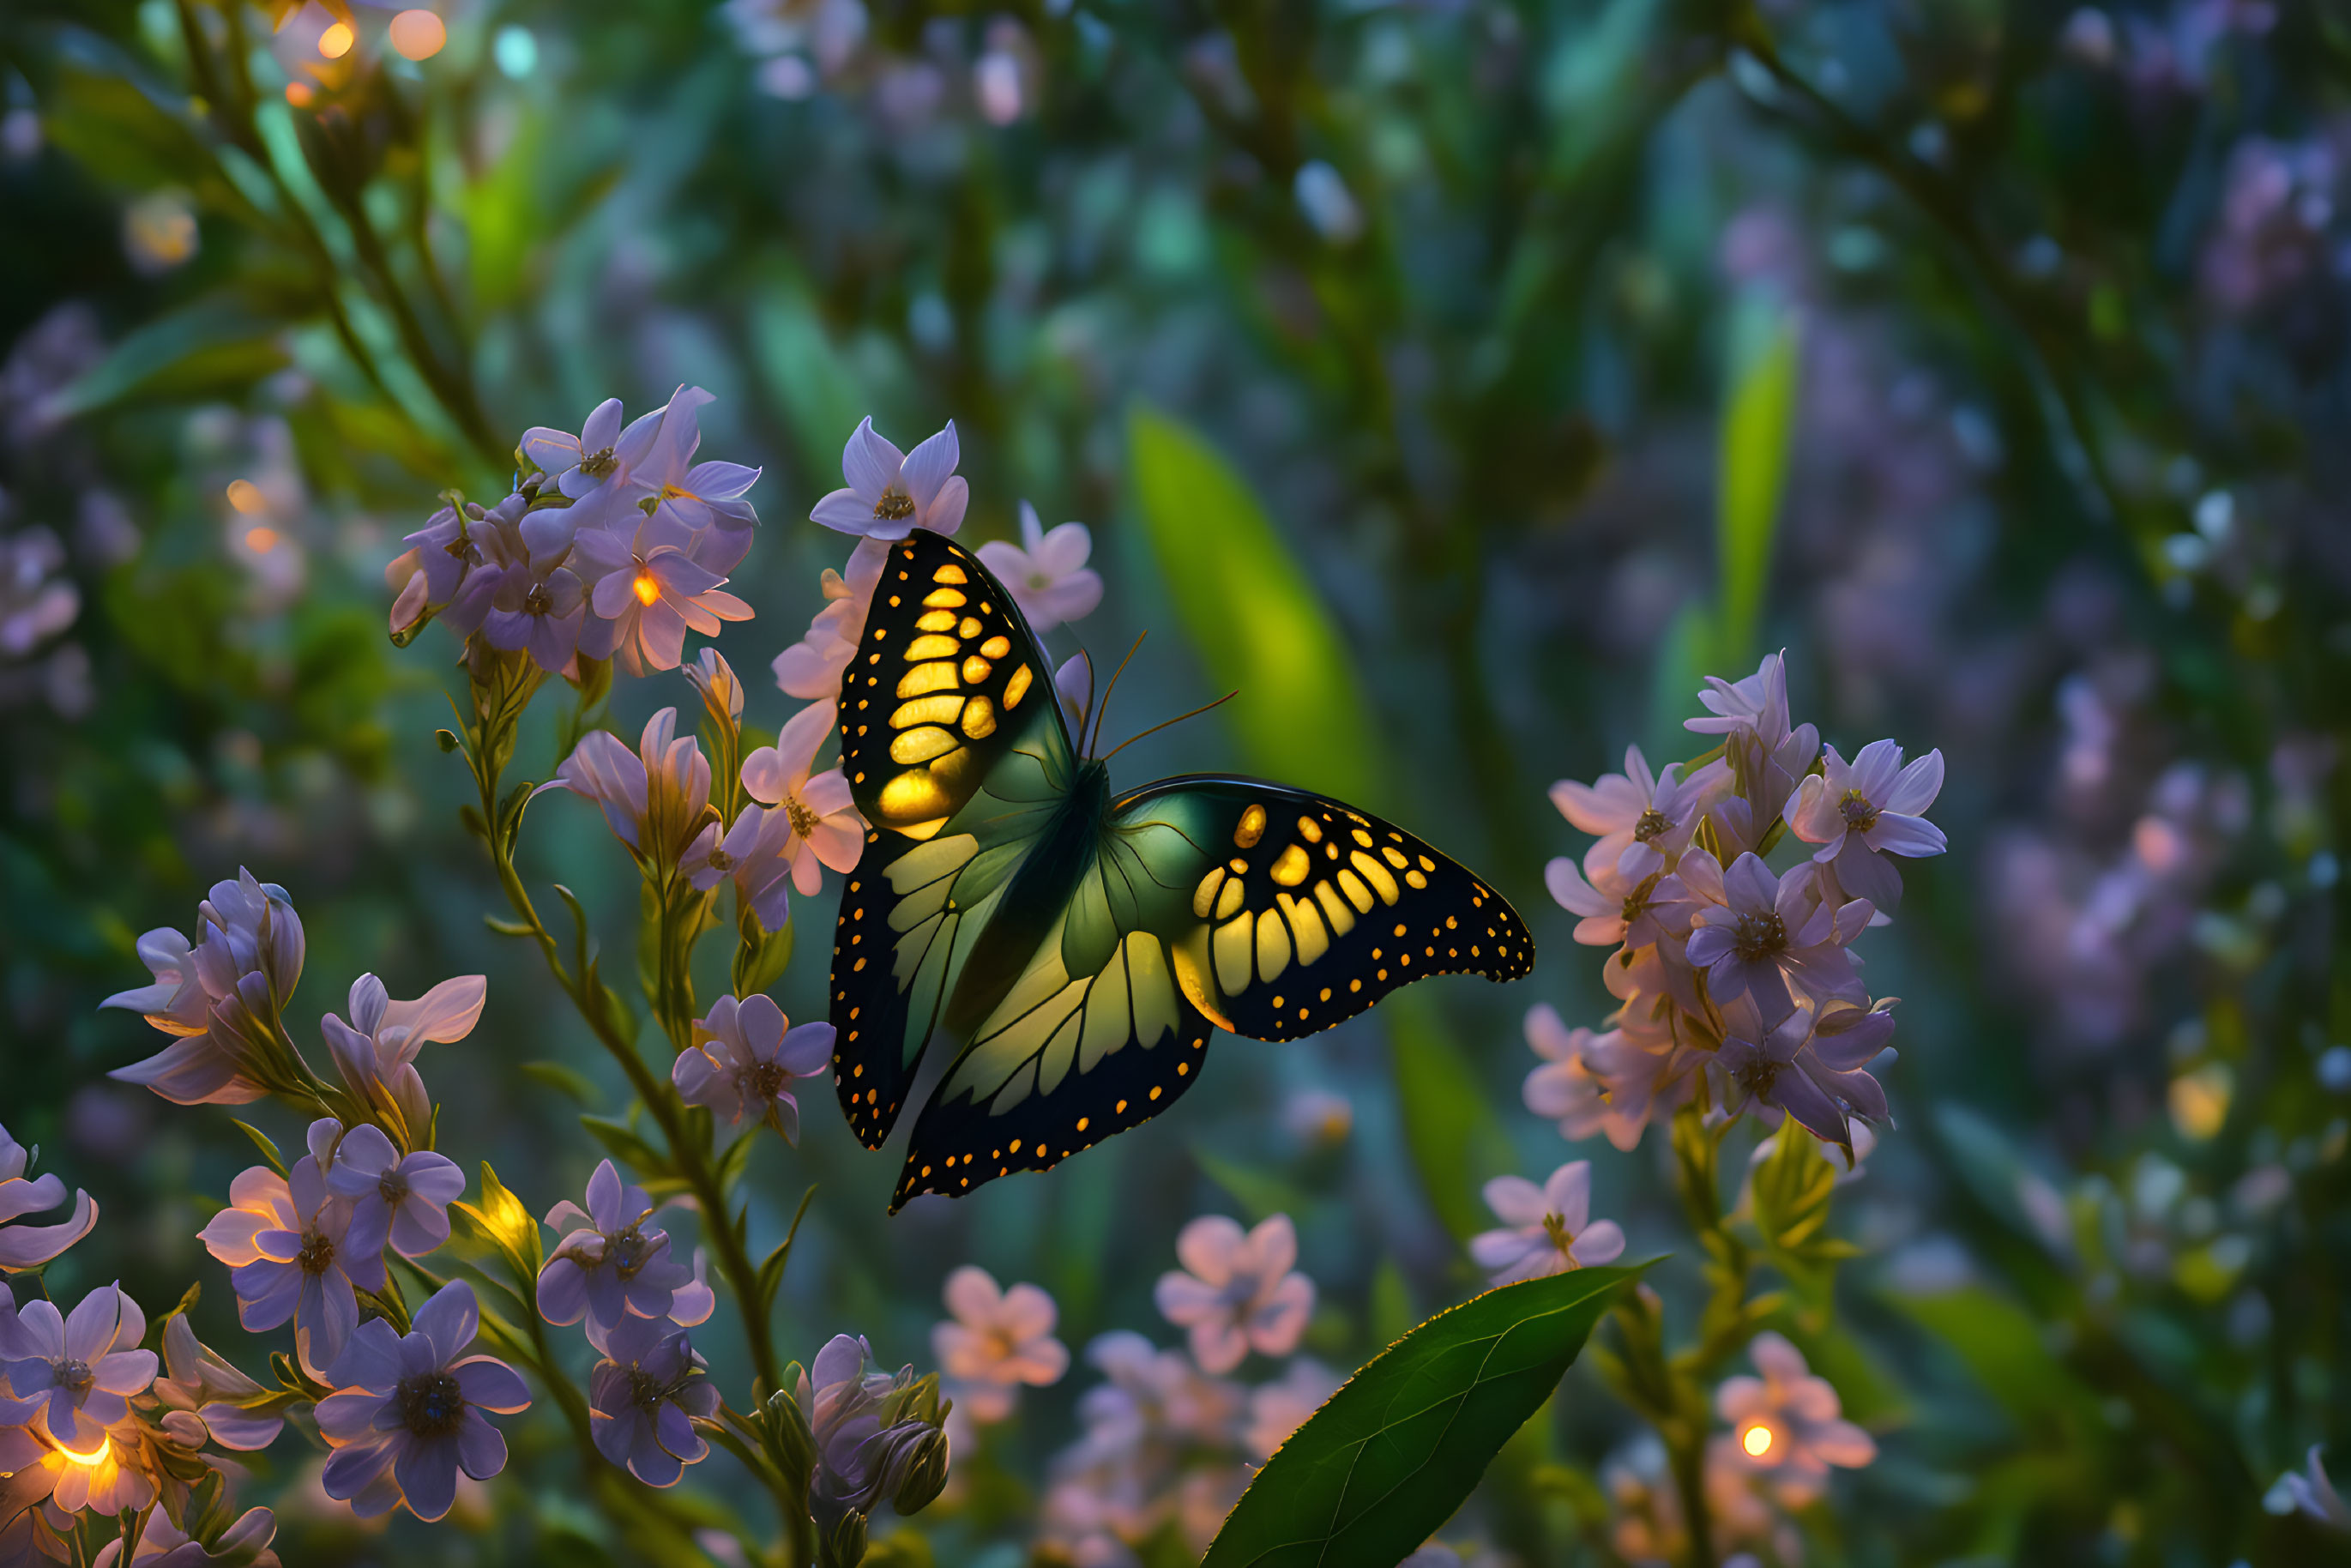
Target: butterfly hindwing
x=1212, y=902
x=955, y=753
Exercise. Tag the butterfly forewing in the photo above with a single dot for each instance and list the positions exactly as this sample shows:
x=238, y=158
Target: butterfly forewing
x=955, y=753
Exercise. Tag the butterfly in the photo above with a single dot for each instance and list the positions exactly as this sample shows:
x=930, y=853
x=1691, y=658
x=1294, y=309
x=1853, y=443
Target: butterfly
x=1082, y=946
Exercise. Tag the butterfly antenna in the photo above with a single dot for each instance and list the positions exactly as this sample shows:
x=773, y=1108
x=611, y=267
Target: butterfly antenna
x=1103, y=711
x=1086, y=712
x=1156, y=728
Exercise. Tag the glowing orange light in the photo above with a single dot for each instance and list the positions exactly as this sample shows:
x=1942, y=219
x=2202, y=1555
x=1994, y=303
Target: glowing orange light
x=418, y=35
x=261, y=541
x=336, y=41
x=648, y=589
x=94, y=1456
x=299, y=94
x=1756, y=1440
x=247, y=496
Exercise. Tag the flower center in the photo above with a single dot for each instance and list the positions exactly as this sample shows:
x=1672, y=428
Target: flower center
x=1758, y=1076
x=596, y=464
x=1758, y=937
x=394, y=1186
x=647, y=587
x=1039, y=581
x=767, y=1080
x=318, y=1254
x=895, y=505
x=1562, y=1237
x=1859, y=814
x=721, y=860
x=537, y=601
x=430, y=1405
x=645, y=1391
x=1653, y=822
x=626, y=1253
x=804, y=821
x=73, y=1376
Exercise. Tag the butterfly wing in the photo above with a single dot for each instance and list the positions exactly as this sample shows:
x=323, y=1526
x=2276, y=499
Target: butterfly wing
x=1211, y=903
x=955, y=752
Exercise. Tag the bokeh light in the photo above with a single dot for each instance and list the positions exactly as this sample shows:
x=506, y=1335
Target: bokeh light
x=418, y=35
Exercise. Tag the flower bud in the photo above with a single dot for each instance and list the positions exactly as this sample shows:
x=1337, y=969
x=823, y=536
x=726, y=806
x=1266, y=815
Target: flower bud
x=790, y=1423
x=844, y=1544
x=918, y=1471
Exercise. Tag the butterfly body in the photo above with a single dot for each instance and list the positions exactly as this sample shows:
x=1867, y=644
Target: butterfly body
x=1082, y=946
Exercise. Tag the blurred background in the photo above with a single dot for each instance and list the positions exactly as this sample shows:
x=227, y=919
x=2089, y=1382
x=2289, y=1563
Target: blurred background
x=1536, y=357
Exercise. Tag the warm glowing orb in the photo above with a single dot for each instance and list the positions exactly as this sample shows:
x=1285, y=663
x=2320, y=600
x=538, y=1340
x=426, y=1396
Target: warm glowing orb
x=418, y=35
x=1756, y=1440
x=648, y=588
x=261, y=541
x=247, y=496
x=336, y=41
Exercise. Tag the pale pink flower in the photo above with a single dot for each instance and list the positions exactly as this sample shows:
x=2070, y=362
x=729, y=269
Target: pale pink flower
x=890, y=494
x=81, y=1370
x=810, y=669
x=1236, y=1291
x=1619, y=908
x=1860, y=811
x=376, y=1052
x=1155, y=1395
x=285, y=1239
x=1550, y=1229
x=1647, y=1073
x=997, y=1340
x=30, y=1246
x=654, y=798
x=648, y=593
x=1278, y=1410
x=756, y=851
x=116, y=1474
x=1570, y=1087
x=410, y=1413
x=203, y=1397
x=1787, y=1422
x=1046, y=573
x=1660, y=811
x=1770, y=930
x=827, y=829
x=746, y=1060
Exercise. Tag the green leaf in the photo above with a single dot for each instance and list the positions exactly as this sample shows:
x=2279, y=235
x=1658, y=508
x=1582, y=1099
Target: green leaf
x=771, y=1269
x=209, y=347
x=133, y=142
x=1254, y=615
x=261, y=1140
x=761, y=955
x=568, y=1081
x=1455, y=1138
x=1394, y=1453
x=508, y=1229
x=1758, y=432
x=623, y=1142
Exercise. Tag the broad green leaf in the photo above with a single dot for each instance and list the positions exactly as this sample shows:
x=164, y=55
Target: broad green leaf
x=1392, y=1455
x=565, y=1079
x=1457, y=1141
x=1758, y=429
x=133, y=142
x=1260, y=628
x=209, y=347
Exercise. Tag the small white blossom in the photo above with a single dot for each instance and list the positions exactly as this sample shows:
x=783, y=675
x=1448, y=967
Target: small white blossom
x=891, y=493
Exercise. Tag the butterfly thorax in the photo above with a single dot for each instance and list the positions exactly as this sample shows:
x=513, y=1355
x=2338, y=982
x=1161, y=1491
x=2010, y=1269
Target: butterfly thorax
x=1039, y=891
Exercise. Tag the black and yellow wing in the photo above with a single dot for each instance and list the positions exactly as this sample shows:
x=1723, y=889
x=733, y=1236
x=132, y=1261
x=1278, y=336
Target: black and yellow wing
x=1209, y=902
x=955, y=752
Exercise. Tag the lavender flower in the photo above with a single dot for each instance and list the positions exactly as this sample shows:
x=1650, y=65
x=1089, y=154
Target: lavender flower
x=645, y=1395
x=1571, y=1087
x=1620, y=908
x=997, y=1340
x=287, y=1239
x=203, y=1397
x=376, y=1052
x=1767, y=754
x=890, y=494
x=648, y=592
x=1046, y=573
x=1550, y=1229
x=609, y=1266
x=1236, y=1291
x=81, y=1371
x=399, y=1200
x=756, y=851
x=827, y=829
x=746, y=1059
x=2310, y=1492
x=409, y=1416
x=162, y=1544
x=245, y=965
x=1787, y=1421
x=1636, y=807
x=877, y=1438
x=30, y=1246
x=812, y=668
x=1860, y=811
x=654, y=798
x=1768, y=930
x=34, y=603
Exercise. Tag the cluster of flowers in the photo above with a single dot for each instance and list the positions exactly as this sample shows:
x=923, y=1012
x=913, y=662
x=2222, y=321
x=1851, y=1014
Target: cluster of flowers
x=1169, y=1437
x=1726, y=968
x=616, y=544
x=1786, y=1431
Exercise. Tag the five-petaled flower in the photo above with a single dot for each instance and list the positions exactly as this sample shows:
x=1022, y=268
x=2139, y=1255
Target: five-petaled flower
x=1860, y=811
x=891, y=493
x=81, y=1369
x=645, y=1395
x=1655, y=812
x=400, y=1200
x=746, y=1061
x=1788, y=1421
x=409, y=1414
x=30, y=1246
x=1756, y=932
x=827, y=829
x=287, y=1239
x=1237, y=1291
x=1571, y=1087
x=610, y=1264
x=1046, y=573
x=1551, y=1227
x=997, y=1340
